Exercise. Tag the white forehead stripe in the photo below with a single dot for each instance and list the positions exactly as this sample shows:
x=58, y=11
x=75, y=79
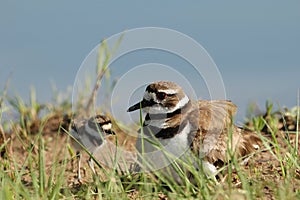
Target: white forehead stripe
x=169, y=91
x=158, y=109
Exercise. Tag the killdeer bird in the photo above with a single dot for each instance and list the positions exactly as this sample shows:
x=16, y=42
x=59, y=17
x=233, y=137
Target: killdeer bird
x=89, y=134
x=117, y=152
x=200, y=127
x=112, y=150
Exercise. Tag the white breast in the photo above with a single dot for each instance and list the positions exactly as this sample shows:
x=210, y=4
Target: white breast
x=155, y=152
x=179, y=142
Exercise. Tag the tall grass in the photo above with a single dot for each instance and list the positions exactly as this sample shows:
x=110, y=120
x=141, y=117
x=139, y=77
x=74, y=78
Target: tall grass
x=35, y=178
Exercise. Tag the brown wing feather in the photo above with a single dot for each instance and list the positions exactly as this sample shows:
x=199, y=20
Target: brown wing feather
x=216, y=114
x=215, y=126
x=212, y=119
x=243, y=142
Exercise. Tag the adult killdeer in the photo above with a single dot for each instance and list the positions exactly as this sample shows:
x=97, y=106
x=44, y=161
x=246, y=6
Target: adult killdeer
x=112, y=150
x=201, y=127
x=89, y=134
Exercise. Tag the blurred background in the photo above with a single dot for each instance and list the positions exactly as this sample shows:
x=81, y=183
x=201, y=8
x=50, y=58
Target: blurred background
x=255, y=44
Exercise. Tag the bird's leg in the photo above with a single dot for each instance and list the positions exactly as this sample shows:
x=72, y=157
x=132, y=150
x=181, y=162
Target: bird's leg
x=91, y=165
x=78, y=156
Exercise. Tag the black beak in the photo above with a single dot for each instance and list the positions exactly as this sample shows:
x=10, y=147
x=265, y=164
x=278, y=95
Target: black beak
x=144, y=103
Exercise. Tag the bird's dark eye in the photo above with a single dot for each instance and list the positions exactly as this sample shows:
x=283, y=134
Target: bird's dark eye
x=161, y=95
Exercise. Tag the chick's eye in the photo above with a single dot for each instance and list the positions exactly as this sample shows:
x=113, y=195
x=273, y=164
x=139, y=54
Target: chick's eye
x=161, y=95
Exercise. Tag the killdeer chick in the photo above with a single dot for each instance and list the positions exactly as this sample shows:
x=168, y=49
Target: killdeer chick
x=200, y=127
x=90, y=134
x=117, y=152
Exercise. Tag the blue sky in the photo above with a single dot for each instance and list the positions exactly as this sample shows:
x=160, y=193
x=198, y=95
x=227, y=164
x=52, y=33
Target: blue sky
x=255, y=44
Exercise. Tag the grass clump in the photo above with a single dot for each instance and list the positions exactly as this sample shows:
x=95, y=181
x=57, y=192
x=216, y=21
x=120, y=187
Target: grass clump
x=40, y=166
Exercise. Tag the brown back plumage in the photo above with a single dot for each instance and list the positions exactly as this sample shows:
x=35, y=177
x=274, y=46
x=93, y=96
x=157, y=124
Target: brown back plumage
x=216, y=133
